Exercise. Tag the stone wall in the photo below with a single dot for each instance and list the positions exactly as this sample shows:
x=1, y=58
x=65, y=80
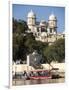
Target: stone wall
x=60, y=66
x=22, y=67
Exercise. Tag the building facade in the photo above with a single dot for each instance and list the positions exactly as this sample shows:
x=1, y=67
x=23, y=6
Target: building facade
x=44, y=31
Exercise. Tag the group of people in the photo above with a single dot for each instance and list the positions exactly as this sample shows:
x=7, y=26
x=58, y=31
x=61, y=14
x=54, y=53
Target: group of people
x=27, y=75
x=23, y=74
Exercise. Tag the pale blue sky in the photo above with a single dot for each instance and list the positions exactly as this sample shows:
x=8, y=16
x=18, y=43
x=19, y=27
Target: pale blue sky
x=42, y=12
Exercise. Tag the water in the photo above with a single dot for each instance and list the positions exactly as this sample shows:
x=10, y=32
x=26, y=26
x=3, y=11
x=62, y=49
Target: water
x=39, y=81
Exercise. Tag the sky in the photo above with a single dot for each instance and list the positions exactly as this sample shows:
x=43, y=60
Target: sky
x=20, y=11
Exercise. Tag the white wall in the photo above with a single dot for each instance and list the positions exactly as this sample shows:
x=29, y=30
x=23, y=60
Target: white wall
x=22, y=67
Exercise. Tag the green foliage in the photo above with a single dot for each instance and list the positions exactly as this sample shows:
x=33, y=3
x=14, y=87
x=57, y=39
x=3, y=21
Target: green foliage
x=60, y=49
x=15, y=23
x=19, y=26
x=15, y=52
x=19, y=50
x=55, y=52
x=29, y=42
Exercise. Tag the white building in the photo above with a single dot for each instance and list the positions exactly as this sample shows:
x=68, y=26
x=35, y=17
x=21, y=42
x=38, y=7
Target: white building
x=31, y=20
x=45, y=31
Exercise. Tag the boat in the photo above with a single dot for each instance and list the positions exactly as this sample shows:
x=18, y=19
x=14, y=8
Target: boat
x=44, y=74
x=39, y=77
x=40, y=74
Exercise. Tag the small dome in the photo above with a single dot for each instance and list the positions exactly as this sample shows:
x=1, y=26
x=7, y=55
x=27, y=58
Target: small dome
x=54, y=33
x=52, y=17
x=35, y=52
x=31, y=14
x=43, y=23
x=44, y=34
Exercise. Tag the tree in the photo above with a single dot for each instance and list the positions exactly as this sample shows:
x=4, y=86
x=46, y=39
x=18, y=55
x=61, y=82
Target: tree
x=55, y=52
x=19, y=50
x=22, y=26
x=60, y=49
x=15, y=52
x=29, y=42
x=19, y=26
x=15, y=23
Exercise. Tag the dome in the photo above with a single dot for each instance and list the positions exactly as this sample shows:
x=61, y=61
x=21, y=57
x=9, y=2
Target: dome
x=43, y=23
x=35, y=52
x=31, y=14
x=52, y=17
x=43, y=34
